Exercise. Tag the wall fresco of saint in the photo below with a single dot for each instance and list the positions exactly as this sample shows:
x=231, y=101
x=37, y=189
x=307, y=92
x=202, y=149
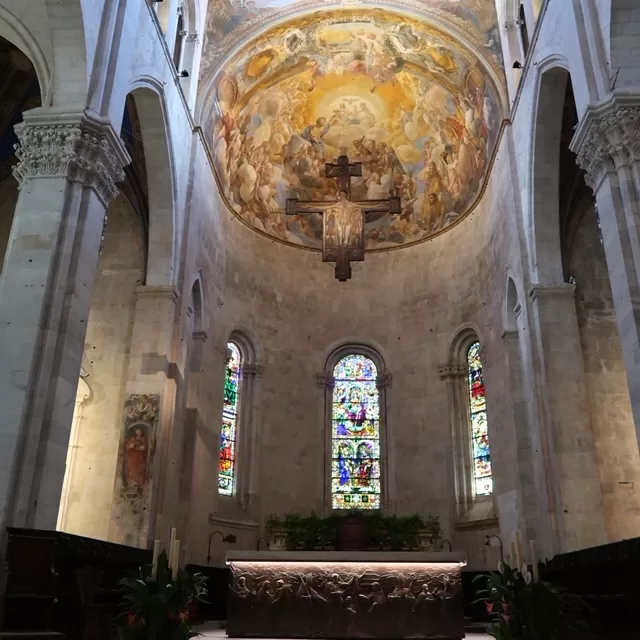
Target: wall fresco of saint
x=406, y=99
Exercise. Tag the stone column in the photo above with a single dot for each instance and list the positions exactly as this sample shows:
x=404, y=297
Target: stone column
x=248, y=433
x=522, y=497
x=455, y=377
x=69, y=164
x=573, y=483
x=607, y=142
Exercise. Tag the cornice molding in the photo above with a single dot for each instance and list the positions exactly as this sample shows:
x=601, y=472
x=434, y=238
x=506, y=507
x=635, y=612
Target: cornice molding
x=252, y=370
x=80, y=146
x=452, y=371
x=249, y=525
x=158, y=292
x=557, y=290
x=384, y=380
x=325, y=380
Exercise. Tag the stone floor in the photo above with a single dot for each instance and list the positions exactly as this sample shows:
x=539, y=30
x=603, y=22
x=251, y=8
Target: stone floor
x=219, y=634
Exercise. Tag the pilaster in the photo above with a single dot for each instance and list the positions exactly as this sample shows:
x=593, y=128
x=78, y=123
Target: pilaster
x=69, y=164
x=607, y=143
x=573, y=484
x=152, y=374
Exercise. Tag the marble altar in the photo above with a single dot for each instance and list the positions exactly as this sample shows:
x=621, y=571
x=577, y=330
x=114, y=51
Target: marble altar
x=333, y=594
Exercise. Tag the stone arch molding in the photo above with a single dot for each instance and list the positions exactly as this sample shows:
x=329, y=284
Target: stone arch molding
x=325, y=383
x=15, y=31
x=544, y=208
x=149, y=96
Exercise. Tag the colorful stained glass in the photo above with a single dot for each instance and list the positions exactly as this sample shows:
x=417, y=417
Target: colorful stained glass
x=355, y=420
x=480, y=450
x=227, y=464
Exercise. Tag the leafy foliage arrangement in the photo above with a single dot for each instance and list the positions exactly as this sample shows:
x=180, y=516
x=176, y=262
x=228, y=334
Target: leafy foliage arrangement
x=160, y=607
x=386, y=532
x=523, y=609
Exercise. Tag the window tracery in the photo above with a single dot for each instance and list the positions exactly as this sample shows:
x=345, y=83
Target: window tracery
x=228, y=432
x=355, y=435
x=480, y=449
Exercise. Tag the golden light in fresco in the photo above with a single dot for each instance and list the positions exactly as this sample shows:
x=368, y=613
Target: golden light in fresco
x=409, y=101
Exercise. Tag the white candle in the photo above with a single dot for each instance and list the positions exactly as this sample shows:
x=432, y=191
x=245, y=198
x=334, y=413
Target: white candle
x=154, y=563
x=534, y=561
x=513, y=560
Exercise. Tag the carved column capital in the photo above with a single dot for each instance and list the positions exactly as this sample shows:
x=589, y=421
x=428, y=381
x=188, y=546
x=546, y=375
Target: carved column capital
x=325, y=380
x=452, y=371
x=83, y=147
x=252, y=370
x=384, y=380
x=608, y=136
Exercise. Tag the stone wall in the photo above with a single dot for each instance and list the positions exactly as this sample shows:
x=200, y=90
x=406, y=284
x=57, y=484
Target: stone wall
x=408, y=304
x=97, y=425
x=611, y=418
x=8, y=199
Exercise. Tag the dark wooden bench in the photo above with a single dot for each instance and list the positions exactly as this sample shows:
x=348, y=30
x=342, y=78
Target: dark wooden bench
x=63, y=584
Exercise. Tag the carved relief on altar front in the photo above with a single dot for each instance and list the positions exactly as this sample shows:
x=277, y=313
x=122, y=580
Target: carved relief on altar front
x=336, y=600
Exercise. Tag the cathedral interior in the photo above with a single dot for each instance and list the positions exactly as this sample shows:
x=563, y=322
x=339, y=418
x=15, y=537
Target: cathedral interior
x=267, y=260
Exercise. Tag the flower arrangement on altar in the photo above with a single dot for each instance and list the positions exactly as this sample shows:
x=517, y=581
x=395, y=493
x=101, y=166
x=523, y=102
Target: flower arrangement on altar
x=522, y=607
x=160, y=602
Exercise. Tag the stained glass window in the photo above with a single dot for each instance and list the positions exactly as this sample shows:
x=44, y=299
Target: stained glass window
x=227, y=465
x=355, y=431
x=480, y=450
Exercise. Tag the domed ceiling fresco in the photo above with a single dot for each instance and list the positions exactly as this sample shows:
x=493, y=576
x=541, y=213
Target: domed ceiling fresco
x=411, y=101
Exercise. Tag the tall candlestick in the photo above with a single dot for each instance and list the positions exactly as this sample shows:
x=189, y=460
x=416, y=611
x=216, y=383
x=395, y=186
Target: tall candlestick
x=512, y=557
x=154, y=563
x=534, y=561
x=518, y=550
x=176, y=559
x=172, y=542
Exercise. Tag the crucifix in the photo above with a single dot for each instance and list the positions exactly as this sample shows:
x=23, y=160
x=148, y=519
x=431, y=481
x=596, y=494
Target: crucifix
x=343, y=219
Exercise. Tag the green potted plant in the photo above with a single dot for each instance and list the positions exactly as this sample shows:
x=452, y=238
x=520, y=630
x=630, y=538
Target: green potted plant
x=159, y=604
x=524, y=608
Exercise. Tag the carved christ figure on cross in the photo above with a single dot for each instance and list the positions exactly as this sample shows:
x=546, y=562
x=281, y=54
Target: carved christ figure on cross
x=343, y=219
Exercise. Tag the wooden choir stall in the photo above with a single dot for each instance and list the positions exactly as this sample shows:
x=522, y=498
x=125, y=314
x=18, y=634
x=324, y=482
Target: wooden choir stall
x=339, y=594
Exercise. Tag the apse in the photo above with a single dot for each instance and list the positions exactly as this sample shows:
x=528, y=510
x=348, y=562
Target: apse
x=415, y=101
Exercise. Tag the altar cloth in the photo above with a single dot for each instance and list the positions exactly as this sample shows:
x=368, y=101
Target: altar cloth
x=339, y=594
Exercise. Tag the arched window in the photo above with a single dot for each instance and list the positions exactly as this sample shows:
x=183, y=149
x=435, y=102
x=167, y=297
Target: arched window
x=355, y=434
x=480, y=450
x=227, y=465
